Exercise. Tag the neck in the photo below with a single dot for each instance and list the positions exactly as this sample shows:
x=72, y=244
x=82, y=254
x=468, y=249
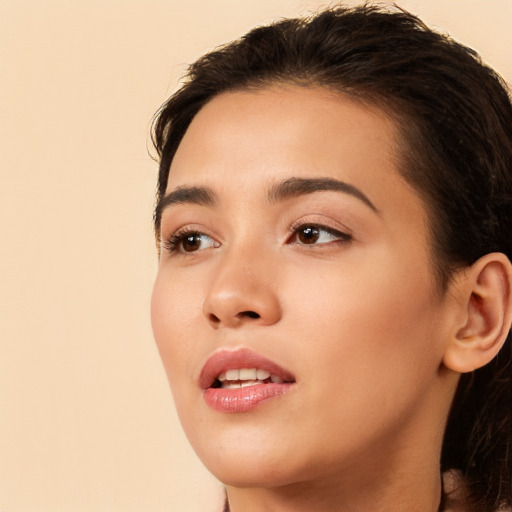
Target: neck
x=400, y=492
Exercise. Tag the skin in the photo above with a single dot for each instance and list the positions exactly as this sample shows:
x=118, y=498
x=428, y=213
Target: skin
x=359, y=321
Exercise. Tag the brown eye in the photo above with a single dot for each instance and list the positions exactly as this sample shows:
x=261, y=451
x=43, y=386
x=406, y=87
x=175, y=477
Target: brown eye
x=191, y=242
x=308, y=234
x=311, y=234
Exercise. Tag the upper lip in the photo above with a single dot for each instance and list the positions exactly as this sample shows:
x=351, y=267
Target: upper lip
x=242, y=358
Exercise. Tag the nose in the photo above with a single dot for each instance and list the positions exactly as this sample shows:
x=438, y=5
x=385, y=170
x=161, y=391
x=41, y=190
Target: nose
x=242, y=292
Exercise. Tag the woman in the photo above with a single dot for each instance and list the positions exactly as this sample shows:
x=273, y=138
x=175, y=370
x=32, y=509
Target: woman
x=333, y=299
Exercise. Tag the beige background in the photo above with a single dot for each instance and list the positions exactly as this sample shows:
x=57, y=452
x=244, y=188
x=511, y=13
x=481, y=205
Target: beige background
x=86, y=418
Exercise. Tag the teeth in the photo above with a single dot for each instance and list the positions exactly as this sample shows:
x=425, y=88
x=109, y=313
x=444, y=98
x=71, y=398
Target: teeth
x=262, y=374
x=243, y=377
x=232, y=375
x=247, y=374
x=238, y=385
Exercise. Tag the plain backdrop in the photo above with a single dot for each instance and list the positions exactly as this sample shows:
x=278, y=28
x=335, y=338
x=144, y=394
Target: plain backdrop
x=86, y=416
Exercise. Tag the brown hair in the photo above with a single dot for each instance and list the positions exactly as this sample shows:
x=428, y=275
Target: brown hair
x=454, y=115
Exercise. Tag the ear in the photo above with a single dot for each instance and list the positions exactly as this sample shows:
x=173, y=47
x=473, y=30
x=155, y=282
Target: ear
x=484, y=298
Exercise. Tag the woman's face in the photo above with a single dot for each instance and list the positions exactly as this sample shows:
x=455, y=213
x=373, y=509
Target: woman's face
x=293, y=249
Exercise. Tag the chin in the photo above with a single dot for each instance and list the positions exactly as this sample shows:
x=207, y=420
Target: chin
x=241, y=459
x=248, y=475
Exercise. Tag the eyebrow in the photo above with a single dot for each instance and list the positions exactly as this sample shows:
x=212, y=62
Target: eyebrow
x=202, y=196
x=294, y=187
x=287, y=189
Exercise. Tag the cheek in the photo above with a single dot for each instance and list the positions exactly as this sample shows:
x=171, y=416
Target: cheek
x=173, y=315
x=365, y=351
x=377, y=322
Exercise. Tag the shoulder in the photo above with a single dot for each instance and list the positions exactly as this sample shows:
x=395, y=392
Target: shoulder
x=453, y=486
x=455, y=489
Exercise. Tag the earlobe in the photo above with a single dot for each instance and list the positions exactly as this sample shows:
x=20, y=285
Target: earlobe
x=485, y=294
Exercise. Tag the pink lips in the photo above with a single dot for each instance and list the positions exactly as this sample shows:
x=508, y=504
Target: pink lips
x=244, y=398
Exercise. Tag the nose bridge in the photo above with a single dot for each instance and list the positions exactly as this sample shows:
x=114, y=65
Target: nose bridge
x=243, y=287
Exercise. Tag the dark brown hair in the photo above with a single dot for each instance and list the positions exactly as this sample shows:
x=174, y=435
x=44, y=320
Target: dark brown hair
x=454, y=117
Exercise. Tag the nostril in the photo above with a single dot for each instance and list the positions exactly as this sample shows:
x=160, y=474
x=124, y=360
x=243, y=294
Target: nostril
x=250, y=314
x=236, y=319
x=214, y=319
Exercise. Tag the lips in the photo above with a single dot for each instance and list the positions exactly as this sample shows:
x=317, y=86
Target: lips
x=237, y=381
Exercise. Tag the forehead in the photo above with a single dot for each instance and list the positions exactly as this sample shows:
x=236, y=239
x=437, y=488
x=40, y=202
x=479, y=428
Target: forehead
x=244, y=140
x=283, y=129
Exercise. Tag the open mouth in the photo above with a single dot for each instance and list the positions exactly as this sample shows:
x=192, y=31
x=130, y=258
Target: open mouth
x=236, y=381
x=245, y=377
x=241, y=368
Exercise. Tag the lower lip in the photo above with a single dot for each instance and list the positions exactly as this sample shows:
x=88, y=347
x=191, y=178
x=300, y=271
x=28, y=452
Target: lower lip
x=243, y=399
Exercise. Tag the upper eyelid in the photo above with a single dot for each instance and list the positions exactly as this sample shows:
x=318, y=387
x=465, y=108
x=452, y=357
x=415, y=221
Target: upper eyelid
x=333, y=226
x=331, y=231
x=188, y=227
x=325, y=227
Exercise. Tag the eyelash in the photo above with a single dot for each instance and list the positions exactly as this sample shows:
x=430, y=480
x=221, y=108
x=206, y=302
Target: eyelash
x=340, y=237
x=173, y=243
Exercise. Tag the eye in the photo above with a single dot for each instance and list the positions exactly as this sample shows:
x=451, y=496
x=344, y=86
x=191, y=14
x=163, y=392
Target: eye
x=189, y=241
x=312, y=234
